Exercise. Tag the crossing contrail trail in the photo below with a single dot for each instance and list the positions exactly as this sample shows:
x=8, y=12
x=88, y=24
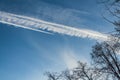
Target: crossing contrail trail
x=44, y=26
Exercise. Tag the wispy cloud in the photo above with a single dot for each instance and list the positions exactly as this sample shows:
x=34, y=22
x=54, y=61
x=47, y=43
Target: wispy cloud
x=60, y=14
x=38, y=25
x=69, y=58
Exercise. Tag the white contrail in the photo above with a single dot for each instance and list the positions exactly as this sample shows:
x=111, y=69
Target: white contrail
x=38, y=25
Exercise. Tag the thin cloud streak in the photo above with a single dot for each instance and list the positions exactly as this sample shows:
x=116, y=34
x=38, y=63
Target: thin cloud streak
x=44, y=26
x=70, y=59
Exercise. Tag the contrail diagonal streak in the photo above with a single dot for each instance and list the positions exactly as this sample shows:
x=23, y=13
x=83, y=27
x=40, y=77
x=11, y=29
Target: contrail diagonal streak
x=43, y=26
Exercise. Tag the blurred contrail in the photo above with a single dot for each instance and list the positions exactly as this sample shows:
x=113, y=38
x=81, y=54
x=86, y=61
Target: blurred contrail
x=44, y=26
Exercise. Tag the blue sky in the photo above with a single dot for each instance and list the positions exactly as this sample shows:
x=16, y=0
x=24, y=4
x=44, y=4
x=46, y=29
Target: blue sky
x=26, y=54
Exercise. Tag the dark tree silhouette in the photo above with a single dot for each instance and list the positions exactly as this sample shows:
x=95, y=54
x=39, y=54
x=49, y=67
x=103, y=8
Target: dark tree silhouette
x=105, y=55
x=105, y=58
x=82, y=72
x=113, y=10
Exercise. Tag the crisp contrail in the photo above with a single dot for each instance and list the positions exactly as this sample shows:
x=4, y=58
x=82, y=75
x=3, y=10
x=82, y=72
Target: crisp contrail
x=40, y=25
